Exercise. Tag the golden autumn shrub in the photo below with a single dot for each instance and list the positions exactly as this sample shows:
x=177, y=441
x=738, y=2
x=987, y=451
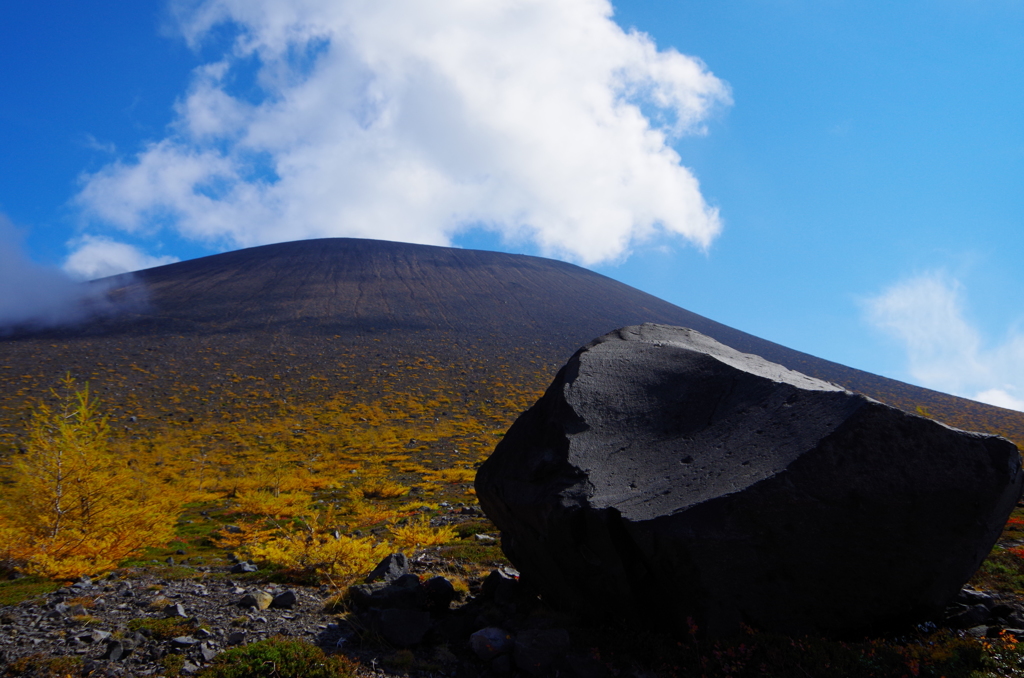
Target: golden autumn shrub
x=73, y=507
x=417, y=533
x=310, y=544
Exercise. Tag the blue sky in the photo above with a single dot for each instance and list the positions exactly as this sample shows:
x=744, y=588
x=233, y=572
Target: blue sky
x=860, y=165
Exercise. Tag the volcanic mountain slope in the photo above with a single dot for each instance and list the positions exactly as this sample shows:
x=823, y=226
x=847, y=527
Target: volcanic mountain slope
x=335, y=310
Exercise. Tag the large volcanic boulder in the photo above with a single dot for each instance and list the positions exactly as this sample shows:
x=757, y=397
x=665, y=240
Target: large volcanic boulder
x=665, y=476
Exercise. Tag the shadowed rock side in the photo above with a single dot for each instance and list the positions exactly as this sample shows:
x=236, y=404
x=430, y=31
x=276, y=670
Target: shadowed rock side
x=664, y=475
x=415, y=296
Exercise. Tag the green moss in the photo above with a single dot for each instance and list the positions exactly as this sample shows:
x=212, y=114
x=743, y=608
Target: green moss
x=163, y=629
x=480, y=554
x=1003, y=570
x=466, y=530
x=279, y=658
x=14, y=591
x=40, y=666
x=172, y=664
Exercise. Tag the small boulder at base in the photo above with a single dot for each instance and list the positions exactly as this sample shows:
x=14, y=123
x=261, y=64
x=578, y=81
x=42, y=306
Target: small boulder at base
x=667, y=477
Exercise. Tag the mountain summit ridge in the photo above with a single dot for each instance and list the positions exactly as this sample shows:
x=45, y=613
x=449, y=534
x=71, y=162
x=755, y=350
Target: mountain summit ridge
x=373, y=292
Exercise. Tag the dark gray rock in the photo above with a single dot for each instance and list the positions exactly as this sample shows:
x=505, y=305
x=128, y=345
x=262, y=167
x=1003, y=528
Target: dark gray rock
x=175, y=610
x=208, y=653
x=389, y=569
x=405, y=592
x=244, y=567
x=183, y=642
x=972, y=597
x=94, y=636
x=403, y=627
x=490, y=642
x=537, y=649
x=439, y=593
x=501, y=665
x=664, y=475
x=284, y=600
x=261, y=600
x=500, y=587
x=117, y=650
x=969, y=617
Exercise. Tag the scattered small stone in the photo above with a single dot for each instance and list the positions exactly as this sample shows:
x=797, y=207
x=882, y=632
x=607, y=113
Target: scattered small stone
x=208, y=652
x=116, y=650
x=95, y=636
x=969, y=617
x=175, y=610
x=183, y=642
x=285, y=600
x=261, y=600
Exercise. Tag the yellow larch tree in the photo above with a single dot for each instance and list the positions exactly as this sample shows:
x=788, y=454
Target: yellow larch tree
x=75, y=508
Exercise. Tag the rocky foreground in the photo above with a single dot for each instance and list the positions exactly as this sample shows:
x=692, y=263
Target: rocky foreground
x=400, y=621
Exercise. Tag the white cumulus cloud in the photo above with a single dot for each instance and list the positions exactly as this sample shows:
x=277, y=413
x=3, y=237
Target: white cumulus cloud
x=926, y=313
x=541, y=120
x=98, y=257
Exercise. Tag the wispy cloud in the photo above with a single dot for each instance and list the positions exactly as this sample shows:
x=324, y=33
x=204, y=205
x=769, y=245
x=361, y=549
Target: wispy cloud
x=92, y=143
x=42, y=296
x=398, y=119
x=926, y=313
x=98, y=257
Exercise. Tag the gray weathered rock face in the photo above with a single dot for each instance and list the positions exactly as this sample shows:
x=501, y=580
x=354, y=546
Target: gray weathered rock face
x=667, y=476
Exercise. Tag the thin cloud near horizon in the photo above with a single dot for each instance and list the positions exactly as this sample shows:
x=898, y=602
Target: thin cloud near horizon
x=927, y=315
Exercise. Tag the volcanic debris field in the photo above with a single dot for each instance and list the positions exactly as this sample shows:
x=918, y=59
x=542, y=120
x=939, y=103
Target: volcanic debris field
x=302, y=411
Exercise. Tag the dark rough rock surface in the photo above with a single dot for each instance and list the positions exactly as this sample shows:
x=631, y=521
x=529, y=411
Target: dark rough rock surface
x=389, y=569
x=664, y=476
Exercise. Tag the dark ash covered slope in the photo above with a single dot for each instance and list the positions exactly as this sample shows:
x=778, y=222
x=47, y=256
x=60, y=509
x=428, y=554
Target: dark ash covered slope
x=404, y=299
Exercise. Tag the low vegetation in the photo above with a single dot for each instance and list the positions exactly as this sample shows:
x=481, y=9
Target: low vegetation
x=279, y=658
x=317, y=490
